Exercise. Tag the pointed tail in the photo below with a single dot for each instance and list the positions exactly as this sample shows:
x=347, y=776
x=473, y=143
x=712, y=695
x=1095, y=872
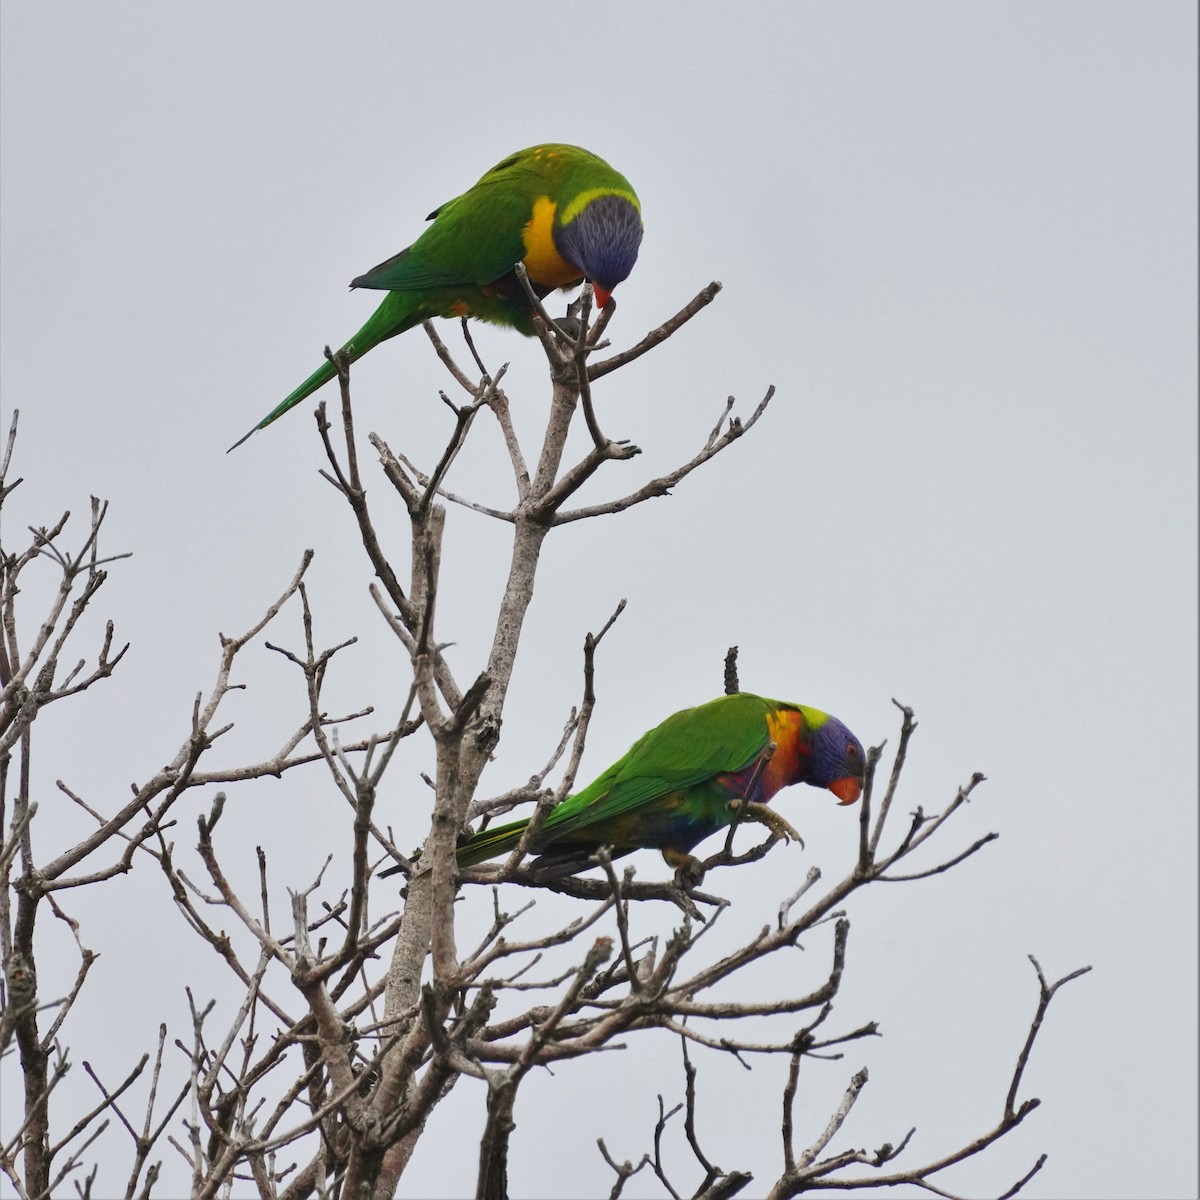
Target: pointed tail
x=398, y=312
x=482, y=846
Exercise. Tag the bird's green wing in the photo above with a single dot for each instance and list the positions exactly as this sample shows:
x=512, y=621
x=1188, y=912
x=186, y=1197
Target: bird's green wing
x=689, y=747
x=475, y=238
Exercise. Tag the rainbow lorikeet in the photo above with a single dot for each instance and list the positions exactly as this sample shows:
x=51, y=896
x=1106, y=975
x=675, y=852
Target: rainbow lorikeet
x=560, y=210
x=686, y=779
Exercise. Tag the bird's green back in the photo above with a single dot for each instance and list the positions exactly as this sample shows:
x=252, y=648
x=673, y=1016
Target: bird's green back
x=477, y=237
x=689, y=747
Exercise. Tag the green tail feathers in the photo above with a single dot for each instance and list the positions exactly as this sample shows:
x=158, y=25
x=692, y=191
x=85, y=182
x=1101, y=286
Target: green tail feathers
x=482, y=846
x=321, y=376
x=398, y=312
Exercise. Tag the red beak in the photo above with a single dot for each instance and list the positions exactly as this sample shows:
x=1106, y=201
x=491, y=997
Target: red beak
x=846, y=790
x=602, y=296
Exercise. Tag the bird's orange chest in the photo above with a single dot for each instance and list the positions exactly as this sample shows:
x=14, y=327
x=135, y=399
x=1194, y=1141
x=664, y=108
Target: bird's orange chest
x=542, y=260
x=785, y=728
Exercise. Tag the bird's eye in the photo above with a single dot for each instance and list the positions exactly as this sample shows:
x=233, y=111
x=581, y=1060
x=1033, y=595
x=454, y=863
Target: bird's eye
x=851, y=750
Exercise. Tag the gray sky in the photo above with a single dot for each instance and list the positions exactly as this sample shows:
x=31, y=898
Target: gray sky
x=958, y=239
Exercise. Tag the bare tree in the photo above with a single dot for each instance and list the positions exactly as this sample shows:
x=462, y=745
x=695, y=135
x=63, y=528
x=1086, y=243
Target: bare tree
x=353, y=1024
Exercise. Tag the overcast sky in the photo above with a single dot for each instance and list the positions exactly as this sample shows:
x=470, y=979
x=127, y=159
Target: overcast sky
x=958, y=239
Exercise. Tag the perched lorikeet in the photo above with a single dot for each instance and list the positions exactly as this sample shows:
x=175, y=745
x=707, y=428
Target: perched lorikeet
x=560, y=210
x=679, y=783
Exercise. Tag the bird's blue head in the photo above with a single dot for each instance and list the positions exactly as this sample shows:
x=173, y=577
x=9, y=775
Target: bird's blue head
x=600, y=234
x=837, y=761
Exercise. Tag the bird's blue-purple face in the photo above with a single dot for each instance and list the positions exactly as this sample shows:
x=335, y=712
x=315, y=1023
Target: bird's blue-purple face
x=838, y=762
x=602, y=240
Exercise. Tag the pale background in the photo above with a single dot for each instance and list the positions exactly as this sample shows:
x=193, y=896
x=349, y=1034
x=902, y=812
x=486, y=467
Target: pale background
x=959, y=239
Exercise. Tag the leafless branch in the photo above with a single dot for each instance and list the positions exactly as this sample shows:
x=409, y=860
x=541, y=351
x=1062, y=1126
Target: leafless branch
x=656, y=336
x=352, y=1025
x=664, y=483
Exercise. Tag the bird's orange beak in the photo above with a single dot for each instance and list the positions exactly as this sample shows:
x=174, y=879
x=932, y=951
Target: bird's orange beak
x=846, y=790
x=602, y=297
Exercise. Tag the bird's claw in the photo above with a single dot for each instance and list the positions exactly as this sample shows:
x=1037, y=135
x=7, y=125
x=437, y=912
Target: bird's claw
x=689, y=870
x=752, y=810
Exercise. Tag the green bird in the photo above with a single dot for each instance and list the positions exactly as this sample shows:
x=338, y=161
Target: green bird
x=559, y=210
x=686, y=779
